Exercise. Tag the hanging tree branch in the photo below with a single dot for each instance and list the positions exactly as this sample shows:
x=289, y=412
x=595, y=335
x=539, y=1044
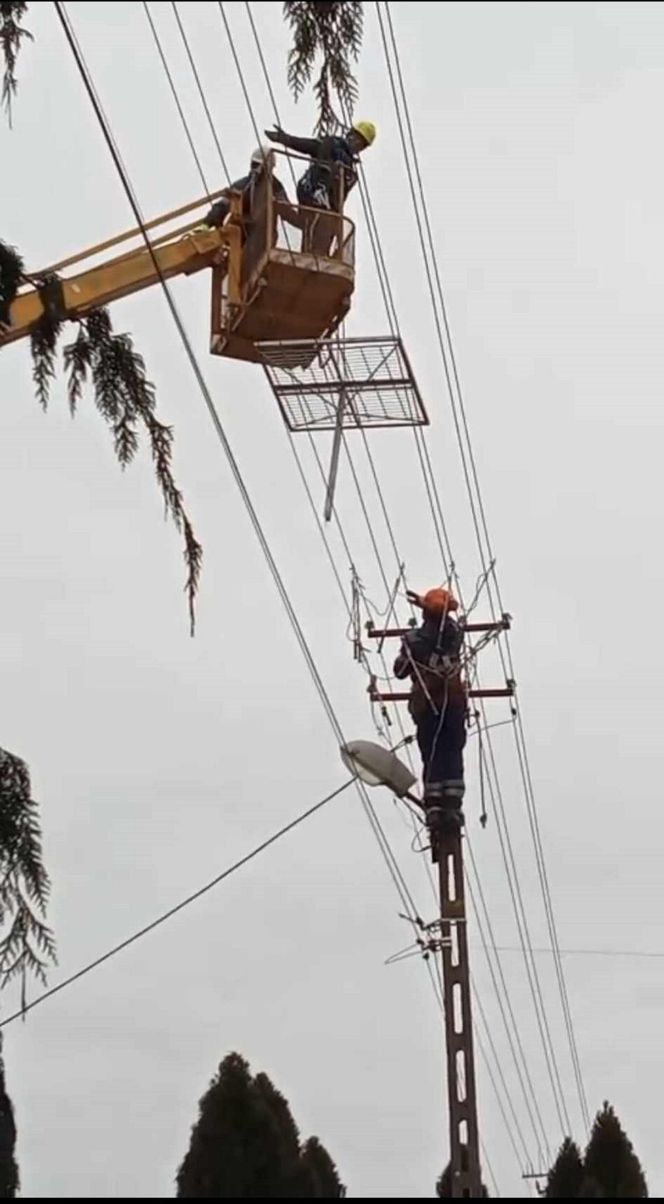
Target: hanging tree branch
x=26, y=942
x=125, y=399
x=332, y=31
x=11, y=275
x=12, y=34
x=123, y=395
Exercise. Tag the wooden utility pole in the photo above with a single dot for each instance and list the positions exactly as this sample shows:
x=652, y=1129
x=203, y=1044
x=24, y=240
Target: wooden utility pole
x=461, y=1092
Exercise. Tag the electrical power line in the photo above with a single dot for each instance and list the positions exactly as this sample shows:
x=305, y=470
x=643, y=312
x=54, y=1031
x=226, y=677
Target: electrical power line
x=172, y=911
x=506, y=1010
x=201, y=90
x=176, y=98
x=522, y=751
x=475, y=497
x=655, y=954
x=391, y=310
x=299, y=465
x=386, y=852
x=110, y=143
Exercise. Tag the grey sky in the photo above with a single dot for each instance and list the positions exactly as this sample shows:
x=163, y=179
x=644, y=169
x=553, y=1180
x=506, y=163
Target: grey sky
x=159, y=759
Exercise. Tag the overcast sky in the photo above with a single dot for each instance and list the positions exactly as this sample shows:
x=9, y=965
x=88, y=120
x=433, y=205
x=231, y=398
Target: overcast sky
x=158, y=760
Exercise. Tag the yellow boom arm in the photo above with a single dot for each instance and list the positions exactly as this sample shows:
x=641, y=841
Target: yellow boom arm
x=181, y=251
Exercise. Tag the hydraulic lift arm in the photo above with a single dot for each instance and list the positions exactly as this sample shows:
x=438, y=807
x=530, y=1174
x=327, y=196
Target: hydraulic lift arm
x=182, y=251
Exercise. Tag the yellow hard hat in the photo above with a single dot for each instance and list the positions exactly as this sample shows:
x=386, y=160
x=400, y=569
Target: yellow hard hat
x=366, y=130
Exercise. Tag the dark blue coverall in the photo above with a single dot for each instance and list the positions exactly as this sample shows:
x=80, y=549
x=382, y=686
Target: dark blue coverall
x=430, y=656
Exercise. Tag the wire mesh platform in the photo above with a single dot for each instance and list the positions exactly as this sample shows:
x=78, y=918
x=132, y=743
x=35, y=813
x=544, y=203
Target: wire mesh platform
x=347, y=383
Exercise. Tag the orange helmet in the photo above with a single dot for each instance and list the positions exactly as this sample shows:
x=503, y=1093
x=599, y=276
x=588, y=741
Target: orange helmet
x=439, y=602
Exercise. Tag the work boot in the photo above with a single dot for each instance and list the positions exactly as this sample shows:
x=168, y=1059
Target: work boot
x=452, y=798
x=434, y=818
x=433, y=805
x=452, y=818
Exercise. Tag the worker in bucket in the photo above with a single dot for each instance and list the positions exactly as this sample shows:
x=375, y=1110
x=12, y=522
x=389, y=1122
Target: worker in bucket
x=327, y=180
x=262, y=160
x=430, y=656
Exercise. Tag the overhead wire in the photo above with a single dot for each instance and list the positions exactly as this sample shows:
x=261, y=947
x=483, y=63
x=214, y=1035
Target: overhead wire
x=391, y=308
x=315, y=452
x=521, y=1155
x=523, y=930
x=320, y=466
x=254, y=122
x=387, y=853
x=354, y=474
x=131, y=197
x=379, y=259
x=523, y=1160
x=312, y=442
x=483, y=919
x=201, y=90
x=636, y=953
x=477, y=509
x=176, y=98
x=425, y=462
x=192, y=146
x=299, y=465
x=184, y=903
x=531, y=805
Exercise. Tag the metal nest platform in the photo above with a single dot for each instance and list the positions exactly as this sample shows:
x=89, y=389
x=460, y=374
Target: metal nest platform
x=343, y=384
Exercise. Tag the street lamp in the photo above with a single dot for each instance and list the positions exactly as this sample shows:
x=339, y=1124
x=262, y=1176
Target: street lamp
x=378, y=766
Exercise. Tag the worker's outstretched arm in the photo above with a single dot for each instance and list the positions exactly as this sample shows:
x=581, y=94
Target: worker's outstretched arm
x=303, y=146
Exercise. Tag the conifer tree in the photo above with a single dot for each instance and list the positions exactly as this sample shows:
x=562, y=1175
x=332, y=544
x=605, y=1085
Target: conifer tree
x=245, y=1144
x=319, y=1176
x=612, y=1169
x=566, y=1177
x=9, y=1176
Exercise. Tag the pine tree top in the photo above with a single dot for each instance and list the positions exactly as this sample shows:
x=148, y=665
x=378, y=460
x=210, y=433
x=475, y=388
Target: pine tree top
x=611, y=1166
x=245, y=1143
x=566, y=1177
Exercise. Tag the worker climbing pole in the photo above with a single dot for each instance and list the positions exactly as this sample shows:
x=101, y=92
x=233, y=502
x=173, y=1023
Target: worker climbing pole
x=432, y=656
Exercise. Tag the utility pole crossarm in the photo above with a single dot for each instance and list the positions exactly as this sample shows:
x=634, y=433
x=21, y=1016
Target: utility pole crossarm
x=378, y=695
x=391, y=633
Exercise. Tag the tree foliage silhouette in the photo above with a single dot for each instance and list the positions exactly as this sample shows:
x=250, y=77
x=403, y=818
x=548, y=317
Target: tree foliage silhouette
x=26, y=942
x=12, y=36
x=123, y=395
x=612, y=1169
x=126, y=401
x=319, y=1178
x=331, y=33
x=609, y=1169
x=245, y=1144
x=566, y=1177
x=9, y=1176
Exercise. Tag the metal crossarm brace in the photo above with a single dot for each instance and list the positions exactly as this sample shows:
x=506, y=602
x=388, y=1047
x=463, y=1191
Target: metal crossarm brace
x=388, y=633
x=376, y=695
